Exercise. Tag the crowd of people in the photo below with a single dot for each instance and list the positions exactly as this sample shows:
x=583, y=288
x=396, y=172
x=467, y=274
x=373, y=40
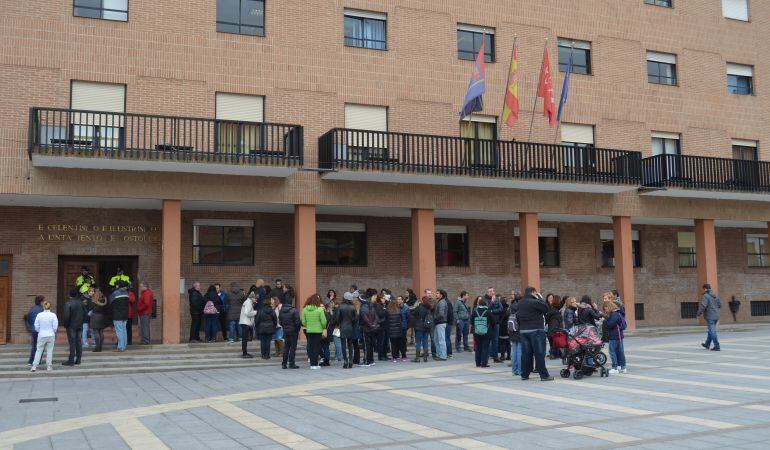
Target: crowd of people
x=87, y=313
x=362, y=323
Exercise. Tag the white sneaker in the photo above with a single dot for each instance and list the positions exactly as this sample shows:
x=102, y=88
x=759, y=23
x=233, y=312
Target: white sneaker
x=32, y=368
x=614, y=371
x=624, y=370
x=315, y=367
x=49, y=368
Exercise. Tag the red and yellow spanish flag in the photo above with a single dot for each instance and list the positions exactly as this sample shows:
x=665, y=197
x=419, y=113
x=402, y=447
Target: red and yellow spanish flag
x=511, y=102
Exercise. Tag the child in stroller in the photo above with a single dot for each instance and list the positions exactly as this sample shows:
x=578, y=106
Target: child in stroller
x=582, y=348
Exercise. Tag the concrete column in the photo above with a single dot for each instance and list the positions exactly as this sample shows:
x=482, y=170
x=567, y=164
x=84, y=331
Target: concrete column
x=304, y=253
x=529, y=251
x=171, y=269
x=706, y=254
x=624, y=266
x=423, y=250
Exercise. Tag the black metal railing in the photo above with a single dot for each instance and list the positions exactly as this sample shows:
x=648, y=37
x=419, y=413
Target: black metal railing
x=68, y=132
x=349, y=149
x=704, y=172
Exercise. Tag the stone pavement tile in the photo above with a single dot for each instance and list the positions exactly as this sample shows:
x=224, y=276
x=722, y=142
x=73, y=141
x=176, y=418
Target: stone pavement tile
x=35, y=444
x=104, y=436
x=433, y=445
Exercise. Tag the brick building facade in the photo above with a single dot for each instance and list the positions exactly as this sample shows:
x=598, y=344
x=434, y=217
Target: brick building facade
x=173, y=63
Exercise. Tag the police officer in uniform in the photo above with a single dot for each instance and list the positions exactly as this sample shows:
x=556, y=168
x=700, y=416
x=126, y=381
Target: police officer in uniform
x=120, y=277
x=85, y=280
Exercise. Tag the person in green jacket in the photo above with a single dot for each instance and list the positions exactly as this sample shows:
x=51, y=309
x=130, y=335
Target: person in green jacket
x=314, y=321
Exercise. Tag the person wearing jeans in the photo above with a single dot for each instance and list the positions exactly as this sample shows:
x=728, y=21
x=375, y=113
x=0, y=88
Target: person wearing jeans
x=30, y=323
x=144, y=311
x=120, y=307
x=462, y=318
x=45, y=326
x=532, y=309
x=615, y=324
x=440, y=317
x=710, y=308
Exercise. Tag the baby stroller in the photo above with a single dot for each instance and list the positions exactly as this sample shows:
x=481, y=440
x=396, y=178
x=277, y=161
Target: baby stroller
x=582, y=348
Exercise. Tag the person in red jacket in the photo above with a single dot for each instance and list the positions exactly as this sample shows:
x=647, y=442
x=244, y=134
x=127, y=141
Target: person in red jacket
x=144, y=311
x=130, y=321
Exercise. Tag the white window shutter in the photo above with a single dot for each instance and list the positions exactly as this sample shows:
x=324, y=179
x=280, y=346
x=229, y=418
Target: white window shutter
x=667, y=58
x=686, y=239
x=744, y=143
x=582, y=134
x=366, y=117
x=736, y=9
x=665, y=135
x=239, y=107
x=103, y=97
x=740, y=69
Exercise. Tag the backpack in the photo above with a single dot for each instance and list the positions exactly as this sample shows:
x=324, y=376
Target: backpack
x=427, y=321
x=622, y=323
x=513, y=323
x=209, y=308
x=480, y=325
x=374, y=319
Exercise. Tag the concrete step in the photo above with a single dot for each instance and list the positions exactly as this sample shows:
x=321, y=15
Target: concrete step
x=155, y=349
x=94, y=360
x=63, y=371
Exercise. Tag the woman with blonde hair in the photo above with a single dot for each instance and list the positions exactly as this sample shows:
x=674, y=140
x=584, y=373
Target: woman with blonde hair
x=100, y=318
x=46, y=325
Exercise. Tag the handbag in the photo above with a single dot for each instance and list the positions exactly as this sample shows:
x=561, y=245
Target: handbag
x=336, y=332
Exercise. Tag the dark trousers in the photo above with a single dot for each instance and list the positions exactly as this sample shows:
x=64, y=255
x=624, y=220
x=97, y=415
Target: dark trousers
x=264, y=344
x=482, y=349
x=356, y=352
x=324, y=350
x=34, y=348
x=98, y=338
x=369, y=340
x=553, y=352
x=244, y=338
x=195, y=327
x=533, y=343
x=223, y=324
x=504, y=345
x=493, y=340
x=313, y=347
x=210, y=326
x=74, y=338
x=448, y=334
x=398, y=345
x=382, y=343
x=129, y=331
x=347, y=350
x=289, y=349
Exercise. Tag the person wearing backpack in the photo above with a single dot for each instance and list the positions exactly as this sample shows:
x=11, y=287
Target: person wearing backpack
x=513, y=334
x=710, y=308
x=615, y=324
x=210, y=314
x=370, y=325
x=482, y=329
x=462, y=318
x=423, y=324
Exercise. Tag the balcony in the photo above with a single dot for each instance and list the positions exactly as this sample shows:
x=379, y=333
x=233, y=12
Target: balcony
x=122, y=141
x=359, y=155
x=706, y=177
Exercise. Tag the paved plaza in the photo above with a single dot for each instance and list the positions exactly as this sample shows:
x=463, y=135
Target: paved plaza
x=676, y=395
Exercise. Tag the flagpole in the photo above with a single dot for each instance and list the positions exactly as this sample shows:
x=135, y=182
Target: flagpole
x=505, y=91
x=534, y=105
x=569, y=68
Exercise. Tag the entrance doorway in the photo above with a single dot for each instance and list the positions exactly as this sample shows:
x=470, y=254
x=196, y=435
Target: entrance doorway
x=102, y=267
x=5, y=299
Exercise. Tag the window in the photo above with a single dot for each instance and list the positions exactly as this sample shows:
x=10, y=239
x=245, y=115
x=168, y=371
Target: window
x=479, y=149
x=744, y=150
x=740, y=79
x=229, y=242
x=451, y=246
x=548, y=247
x=664, y=3
x=579, y=153
x=736, y=9
x=760, y=308
x=639, y=311
x=340, y=244
x=241, y=17
x=661, y=68
x=101, y=9
x=581, y=55
x=371, y=144
x=664, y=143
x=756, y=249
x=91, y=129
x=686, y=246
x=469, y=42
x=607, y=238
x=365, y=29
x=689, y=310
x=238, y=128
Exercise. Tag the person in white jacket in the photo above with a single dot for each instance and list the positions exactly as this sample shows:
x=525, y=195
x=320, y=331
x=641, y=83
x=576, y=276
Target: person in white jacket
x=247, y=322
x=46, y=325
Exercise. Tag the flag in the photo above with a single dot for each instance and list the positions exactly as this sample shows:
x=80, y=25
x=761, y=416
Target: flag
x=477, y=86
x=511, y=102
x=545, y=90
x=564, y=89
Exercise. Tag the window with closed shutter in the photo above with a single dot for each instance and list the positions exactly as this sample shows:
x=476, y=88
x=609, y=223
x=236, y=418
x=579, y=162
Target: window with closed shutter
x=686, y=248
x=736, y=9
x=372, y=143
x=579, y=153
x=740, y=79
x=480, y=148
x=98, y=120
x=238, y=117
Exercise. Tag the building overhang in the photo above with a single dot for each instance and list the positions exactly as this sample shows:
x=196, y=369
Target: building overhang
x=74, y=162
x=706, y=194
x=457, y=180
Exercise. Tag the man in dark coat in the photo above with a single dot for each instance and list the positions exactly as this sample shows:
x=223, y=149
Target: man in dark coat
x=289, y=319
x=531, y=317
x=196, y=311
x=74, y=316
